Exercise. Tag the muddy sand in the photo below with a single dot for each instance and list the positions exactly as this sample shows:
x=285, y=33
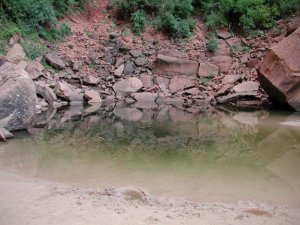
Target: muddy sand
x=25, y=200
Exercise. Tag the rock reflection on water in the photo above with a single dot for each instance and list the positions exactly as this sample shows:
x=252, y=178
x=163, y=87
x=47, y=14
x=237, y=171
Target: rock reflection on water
x=220, y=155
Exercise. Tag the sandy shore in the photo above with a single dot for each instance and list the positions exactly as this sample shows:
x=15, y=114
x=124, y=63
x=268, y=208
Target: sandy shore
x=25, y=201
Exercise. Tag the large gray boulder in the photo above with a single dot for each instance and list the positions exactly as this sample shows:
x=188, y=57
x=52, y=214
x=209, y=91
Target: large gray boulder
x=17, y=97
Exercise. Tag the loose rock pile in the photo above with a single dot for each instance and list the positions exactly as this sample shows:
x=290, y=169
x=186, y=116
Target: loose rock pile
x=152, y=75
x=160, y=76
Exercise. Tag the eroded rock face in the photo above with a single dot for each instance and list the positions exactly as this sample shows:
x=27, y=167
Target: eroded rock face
x=167, y=65
x=17, y=97
x=279, y=72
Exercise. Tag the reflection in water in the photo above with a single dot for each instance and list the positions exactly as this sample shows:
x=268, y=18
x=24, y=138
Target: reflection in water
x=216, y=156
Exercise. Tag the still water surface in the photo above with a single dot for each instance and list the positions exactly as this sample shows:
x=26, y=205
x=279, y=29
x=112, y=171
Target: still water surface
x=221, y=156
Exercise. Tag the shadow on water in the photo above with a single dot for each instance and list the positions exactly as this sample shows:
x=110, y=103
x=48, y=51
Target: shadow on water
x=220, y=155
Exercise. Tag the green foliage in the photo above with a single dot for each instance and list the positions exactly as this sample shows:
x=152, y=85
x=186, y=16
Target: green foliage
x=31, y=13
x=282, y=8
x=212, y=44
x=33, y=48
x=8, y=29
x=170, y=16
x=245, y=15
x=138, y=20
x=62, y=7
x=57, y=34
x=34, y=20
x=174, y=18
x=128, y=7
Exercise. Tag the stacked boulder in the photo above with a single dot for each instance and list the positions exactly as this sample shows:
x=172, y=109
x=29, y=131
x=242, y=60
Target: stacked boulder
x=279, y=72
x=18, y=95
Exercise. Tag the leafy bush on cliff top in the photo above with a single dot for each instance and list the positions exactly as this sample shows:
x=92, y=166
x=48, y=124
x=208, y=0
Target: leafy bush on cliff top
x=32, y=18
x=171, y=16
x=174, y=16
x=245, y=15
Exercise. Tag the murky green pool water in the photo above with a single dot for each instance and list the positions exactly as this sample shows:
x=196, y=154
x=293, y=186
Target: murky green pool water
x=219, y=156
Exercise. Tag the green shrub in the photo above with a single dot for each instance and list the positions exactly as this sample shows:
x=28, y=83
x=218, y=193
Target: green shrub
x=34, y=19
x=8, y=29
x=284, y=7
x=174, y=18
x=253, y=14
x=31, y=13
x=212, y=44
x=33, y=48
x=138, y=20
x=62, y=7
x=245, y=15
x=127, y=7
x=170, y=16
x=57, y=34
x=175, y=27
